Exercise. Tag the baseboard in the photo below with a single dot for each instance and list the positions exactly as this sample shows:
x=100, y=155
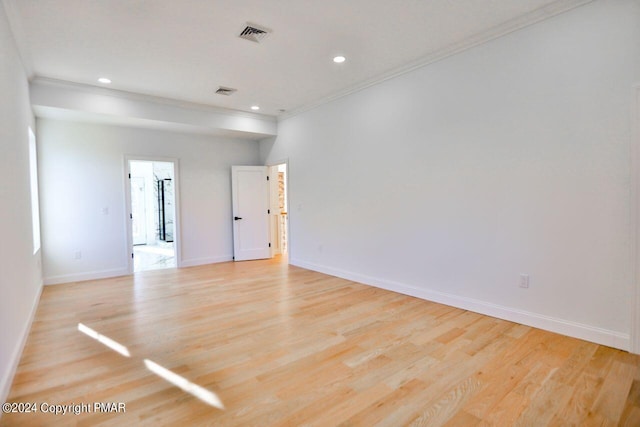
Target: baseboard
x=548, y=323
x=7, y=378
x=90, y=275
x=202, y=261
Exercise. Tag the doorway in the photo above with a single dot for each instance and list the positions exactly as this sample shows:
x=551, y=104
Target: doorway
x=152, y=190
x=259, y=196
x=279, y=219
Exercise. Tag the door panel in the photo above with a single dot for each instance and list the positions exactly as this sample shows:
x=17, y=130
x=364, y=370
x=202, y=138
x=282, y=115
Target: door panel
x=138, y=211
x=250, y=197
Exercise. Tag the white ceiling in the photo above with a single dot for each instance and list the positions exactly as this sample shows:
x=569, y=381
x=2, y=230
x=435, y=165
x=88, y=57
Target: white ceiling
x=185, y=49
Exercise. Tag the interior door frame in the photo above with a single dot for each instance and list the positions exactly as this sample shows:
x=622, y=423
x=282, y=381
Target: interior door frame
x=285, y=162
x=177, y=235
x=273, y=227
x=634, y=335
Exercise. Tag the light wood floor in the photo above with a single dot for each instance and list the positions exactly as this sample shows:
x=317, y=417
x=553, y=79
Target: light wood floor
x=284, y=346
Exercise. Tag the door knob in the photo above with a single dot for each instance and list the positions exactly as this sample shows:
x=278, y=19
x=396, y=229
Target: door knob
x=235, y=218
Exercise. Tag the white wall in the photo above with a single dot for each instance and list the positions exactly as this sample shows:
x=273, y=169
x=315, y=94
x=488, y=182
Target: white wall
x=82, y=173
x=20, y=277
x=450, y=181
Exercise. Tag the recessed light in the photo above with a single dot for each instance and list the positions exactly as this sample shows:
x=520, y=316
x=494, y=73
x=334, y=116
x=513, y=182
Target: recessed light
x=255, y=107
x=339, y=59
x=104, y=80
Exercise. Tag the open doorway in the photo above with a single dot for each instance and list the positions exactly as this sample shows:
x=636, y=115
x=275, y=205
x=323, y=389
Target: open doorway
x=279, y=219
x=153, y=214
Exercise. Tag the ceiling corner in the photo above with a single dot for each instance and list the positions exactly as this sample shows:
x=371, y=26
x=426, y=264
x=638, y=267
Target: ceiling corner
x=17, y=30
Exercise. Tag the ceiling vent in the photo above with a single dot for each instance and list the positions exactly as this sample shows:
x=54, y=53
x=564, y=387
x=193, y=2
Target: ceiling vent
x=225, y=91
x=254, y=33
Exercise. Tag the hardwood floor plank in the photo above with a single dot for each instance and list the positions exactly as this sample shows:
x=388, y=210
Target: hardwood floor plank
x=585, y=389
x=451, y=403
x=462, y=419
x=497, y=384
x=506, y=411
x=544, y=404
x=631, y=413
x=284, y=346
x=613, y=393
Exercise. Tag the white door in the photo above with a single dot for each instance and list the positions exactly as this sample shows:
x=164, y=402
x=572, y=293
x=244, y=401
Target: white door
x=138, y=211
x=250, y=197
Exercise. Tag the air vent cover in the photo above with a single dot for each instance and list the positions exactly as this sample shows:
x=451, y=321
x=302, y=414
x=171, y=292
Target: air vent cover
x=254, y=33
x=225, y=91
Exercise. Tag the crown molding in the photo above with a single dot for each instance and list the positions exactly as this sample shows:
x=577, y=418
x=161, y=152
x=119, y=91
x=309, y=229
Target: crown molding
x=17, y=30
x=510, y=26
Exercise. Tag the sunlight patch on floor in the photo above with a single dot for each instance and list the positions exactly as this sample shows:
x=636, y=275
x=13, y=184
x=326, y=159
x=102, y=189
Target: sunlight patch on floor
x=113, y=345
x=201, y=393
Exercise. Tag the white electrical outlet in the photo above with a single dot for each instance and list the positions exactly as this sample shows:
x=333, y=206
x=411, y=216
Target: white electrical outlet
x=77, y=255
x=524, y=280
